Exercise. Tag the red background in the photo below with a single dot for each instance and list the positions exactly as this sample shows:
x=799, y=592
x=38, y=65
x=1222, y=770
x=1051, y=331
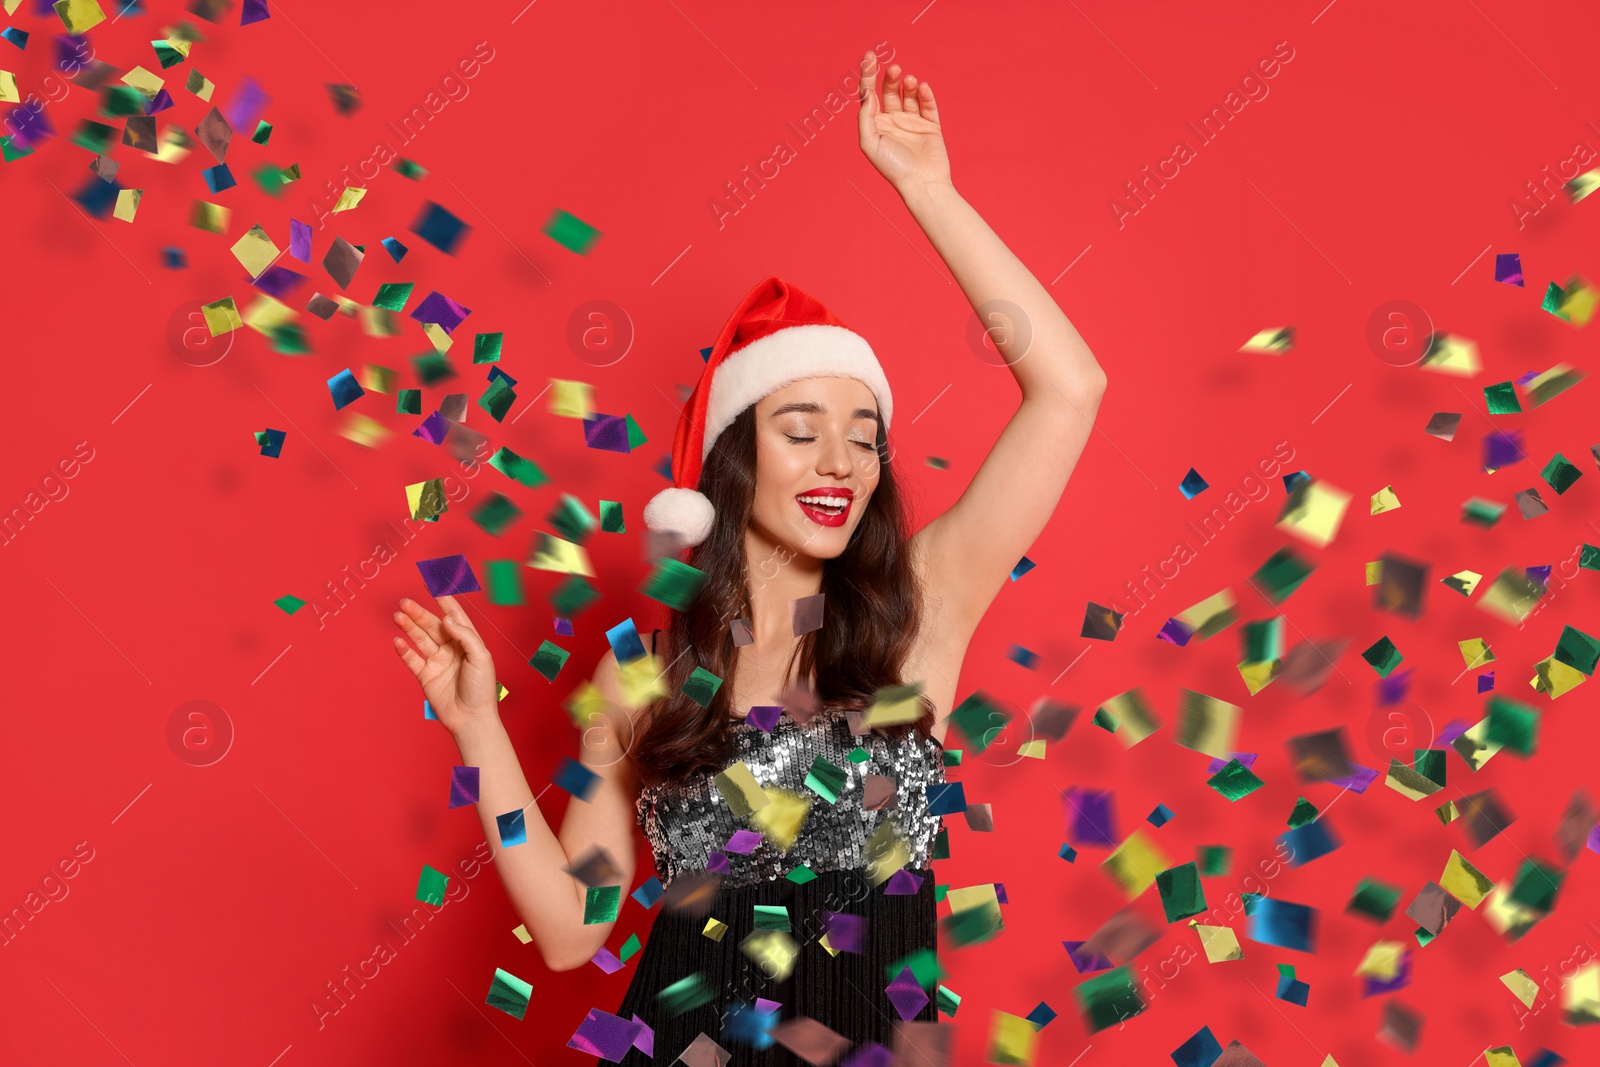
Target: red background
x=1379, y=167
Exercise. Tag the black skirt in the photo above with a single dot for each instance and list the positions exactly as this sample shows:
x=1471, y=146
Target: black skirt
x=844, y=992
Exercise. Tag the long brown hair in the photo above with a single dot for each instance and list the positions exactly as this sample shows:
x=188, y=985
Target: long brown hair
x=873, y=604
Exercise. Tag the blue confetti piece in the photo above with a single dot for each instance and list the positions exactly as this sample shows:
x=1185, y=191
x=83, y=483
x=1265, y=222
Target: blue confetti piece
x=624, y=638
x=1040, y=1016
x=343, y=388
x=1023, y=657
x=274, y=443
x=945, y=798
x=1201, y=1050
x=1160, y=817
x=1283, y=924
x=513, y=828
x=496, y=372
x=439, y=228
x=1192, y=485
x=1292, y=480
x=705, y=355
x=1068, y=853
x=218, y=178
x=15, y=36
x=1024, y=565
x=396, y=250
x=648, y=893
x=427, y=711
x=173, y=258
x=663, y=466
x=1293, y=990
x=575, y=778
x=1312, y=841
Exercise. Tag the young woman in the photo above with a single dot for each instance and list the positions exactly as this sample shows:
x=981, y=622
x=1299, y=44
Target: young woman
x=784, y=491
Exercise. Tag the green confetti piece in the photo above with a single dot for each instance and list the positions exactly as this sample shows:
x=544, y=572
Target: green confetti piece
x=701, y=686
x=497, y=399
x=393, y=296
x=1374, y=899
x=548, y=661
x=523, y=471
x=801, y=875
x=952, y=757
x=430, y=886
x=571, y=519
x=947, y=999
x=611, y=517
x=826, y=779
x=1422, y=936
x=1181, y=893
x=1286, y=970
x=686, y=994
x=572, y=596
x=263, y=132
x=938, y=893
x=1578, y=650
x=1304, y=812
x=289, y=339
x=1481, y=512
x=167, y=55
x=600, y=903
x=772, y=917
x=1263, y=640
x=1235, y=781
x=408, y=402
x=1281, y=575
x=1429, y=762
x=1537, y=884
x=938, y=464
x=1502, y=398
x=979, y=720
x=1108, y=999
x=1553, y=297
x=10, y=150
x=570, y=232
x=290, y=604
x=1383, y=657
x=1105, y=720
x=924, y=964
x=1514, y=726
x=495, y=514
x=486, y=347
x=673, y=583
x=509, y=993
x=970, y=926
x=636, y=436
x=1559, y=474
x=120, y=101
x=1589, y=558
x=859, y=755
x=97, y=137
x=270, y=178
x=432, y=368
x=505, y=582
x=1215, y=860
x=407, y=169
x=941, y=844
x=629, y=947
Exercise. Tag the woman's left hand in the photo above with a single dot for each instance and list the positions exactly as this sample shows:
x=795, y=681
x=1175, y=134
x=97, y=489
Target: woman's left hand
x=901, y=135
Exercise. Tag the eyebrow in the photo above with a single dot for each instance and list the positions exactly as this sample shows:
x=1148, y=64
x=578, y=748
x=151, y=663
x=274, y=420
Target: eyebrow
x=811, y=407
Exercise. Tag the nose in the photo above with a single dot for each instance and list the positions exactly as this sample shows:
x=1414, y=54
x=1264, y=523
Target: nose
x=834, y=460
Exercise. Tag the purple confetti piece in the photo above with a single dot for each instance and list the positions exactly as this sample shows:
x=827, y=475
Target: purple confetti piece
x=717, y=863
x=764, y=716
x=845, y=931
x=1371, y=987
x=278, y=282
x=448, y=575
x=1486, y=682
x=1175, y=633
x=441, y=311
x=605, y=1035
x=433, y=428
x=607, y=961
x=870, y=1054
x=743, y=842
x=247, y=102
x=1452, y=730
x=300, y=240
x=609, y=433
x=906, y=995
x=563, y=626
x=1000, y=892
x=1502, y=449
x=161, y=102
x=463, y=786
x=1092, y=815
x=1246, y=758
x=1508, y=268
x=646, y=1041
x=253, y=11
x=1357, y=782
x=1392, y=690
x=767, y=1007
x=902, y=883
x=1538, y=575
x=1594, y=838
x=1085, y=962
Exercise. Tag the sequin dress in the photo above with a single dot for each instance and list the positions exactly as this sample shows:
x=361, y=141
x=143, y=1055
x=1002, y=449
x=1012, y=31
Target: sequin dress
x=688, y=825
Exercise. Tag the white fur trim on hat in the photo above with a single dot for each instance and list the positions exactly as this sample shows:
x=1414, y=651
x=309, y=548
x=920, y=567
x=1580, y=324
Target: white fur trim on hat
x=767, y=364
x=686, y=512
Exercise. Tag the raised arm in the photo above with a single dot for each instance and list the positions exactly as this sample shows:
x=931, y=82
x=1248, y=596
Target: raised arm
x=453, y=665
x=970, y=549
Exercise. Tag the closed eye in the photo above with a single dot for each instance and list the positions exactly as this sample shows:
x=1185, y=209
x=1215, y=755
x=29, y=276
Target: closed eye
x=863, y=445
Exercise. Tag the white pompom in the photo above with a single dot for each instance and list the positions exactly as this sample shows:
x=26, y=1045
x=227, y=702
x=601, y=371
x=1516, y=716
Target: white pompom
x=686, y=512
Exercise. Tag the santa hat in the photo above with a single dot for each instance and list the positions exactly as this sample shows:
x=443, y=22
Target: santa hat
x=777, y=335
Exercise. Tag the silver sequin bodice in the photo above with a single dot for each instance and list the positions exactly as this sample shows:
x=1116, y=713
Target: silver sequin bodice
x=686, y=822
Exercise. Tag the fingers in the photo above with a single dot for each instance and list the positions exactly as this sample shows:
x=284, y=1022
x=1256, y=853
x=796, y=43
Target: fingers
x=930, y=109
x=421, y=638
x=413, y=662
x=891, y=90
x=424, y=618
x=472, y=644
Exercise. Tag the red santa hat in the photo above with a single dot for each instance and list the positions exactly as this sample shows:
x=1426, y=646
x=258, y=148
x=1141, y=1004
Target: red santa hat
x=777, y=335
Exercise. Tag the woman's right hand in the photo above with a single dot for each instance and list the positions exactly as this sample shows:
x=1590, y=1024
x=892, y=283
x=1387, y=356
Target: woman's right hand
x=454, y=667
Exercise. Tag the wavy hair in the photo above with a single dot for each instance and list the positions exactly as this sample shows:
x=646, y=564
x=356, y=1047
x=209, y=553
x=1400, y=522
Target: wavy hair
x=874, y=611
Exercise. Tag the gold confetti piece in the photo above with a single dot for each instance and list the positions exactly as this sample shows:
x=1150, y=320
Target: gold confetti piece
x=1447, y=812
x=1382, y=960
x=1511, y=596
x=974, y=896
x=127, y=204
x=1220, y=943
x=79, y=15
x=893, y=704
x=148, y=84
x=1375, y=572
x=1555, y=678
x=886, y=852
x=1330, y=1061
x=715, y=929
x=200, y=85
x=586, y=702
x=1448, y=354
x=1474, y=745
x=1133, y=716
x=8, y=88
x=1522, y=987
x=212, y=218
x=255, y=251
x=426, y=499
x=1464, y=881
x=1211, y=616
x=1205, y=724
x=1582, y=185
x=376, y=379
x=1134, y=864
x=1409, y=782
x=1501, y=1057
x=643, y=680
x=774, y=951
x=1505, y=916
x=1384, y=500
x=440, y=340
x=1463, y=582
x=1012, y=1039
x=1257, y=676
x=1551, y=384
x=503, y=692
x=781, y=817
x=1032, y=749
x=1273, y=341
x=174, y=146
x=1314, y=511
x=378, y=322
x=1580, y=997
x=740, y=789
x=573, y=400
x=1578, y=301
x=349, y=198
x=266, y=314
x=1475, y=652
x=221, y=317
x=365, y=431
x=523, y=935
x=551, y=553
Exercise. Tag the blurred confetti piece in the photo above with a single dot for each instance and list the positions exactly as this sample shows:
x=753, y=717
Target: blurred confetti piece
x=1313, y=512
x=1274, y=341
x=1448, y=354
